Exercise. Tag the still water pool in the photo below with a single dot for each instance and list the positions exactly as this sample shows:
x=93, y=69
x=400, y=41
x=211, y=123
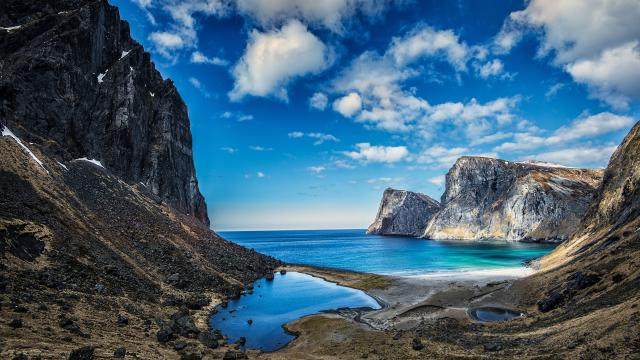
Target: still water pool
x=275, y=303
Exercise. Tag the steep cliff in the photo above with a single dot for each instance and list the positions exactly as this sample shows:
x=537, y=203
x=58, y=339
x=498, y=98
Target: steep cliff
x=492, y=198
x=73, y=80
x=403, y=213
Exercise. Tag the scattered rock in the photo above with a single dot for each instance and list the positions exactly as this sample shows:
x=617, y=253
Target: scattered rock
x=492, y=347
x=190, y=355
x=20, y=309
x=83, y=353
x=233, y=355
x=208, y=339
x=269, y=276
x=16, y=323
x=165, y=334
x=99, y=288
x=241, y=341
x=183, y=323
x=416, y=344
x=123, y=320
x=179, y=345
x=120, y=352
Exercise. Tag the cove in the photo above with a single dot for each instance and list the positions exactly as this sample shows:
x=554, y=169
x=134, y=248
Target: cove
x=274, y=303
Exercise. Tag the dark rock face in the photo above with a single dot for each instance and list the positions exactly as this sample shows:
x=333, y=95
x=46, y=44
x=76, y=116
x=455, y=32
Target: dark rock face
x=404, y=213
x=492, y=198
x=73, y=81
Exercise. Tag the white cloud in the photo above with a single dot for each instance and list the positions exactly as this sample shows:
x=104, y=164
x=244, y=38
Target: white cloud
x=491, y=68
x=592, y=156
x=319, y=101
x=260, y=148
x=199, y=58
x=331, y=14
x=553, y=90
x=613, y=76
x=580, y=128
x=437, y=180
x=238, y=116
x=260, y=174
x=443, y=157
x=165, y=42
x=316, y=169
x=229, y=150
x=198, y=85
x=319, y=137
x=595, y=41
x=348, y=105
x=425, y=41
x=380, y=154
x=273, y=59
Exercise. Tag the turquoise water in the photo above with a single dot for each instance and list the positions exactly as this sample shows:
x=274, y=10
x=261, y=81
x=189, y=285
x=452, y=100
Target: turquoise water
x=355, y=250
x=275, y=303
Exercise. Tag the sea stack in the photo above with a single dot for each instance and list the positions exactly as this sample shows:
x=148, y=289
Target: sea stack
x=489, y=198
x=403, y=213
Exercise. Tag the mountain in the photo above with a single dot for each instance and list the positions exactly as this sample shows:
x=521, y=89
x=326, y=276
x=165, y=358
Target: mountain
x=104, y=240
x=75, y=81
x=404, y=213
x=515, y=201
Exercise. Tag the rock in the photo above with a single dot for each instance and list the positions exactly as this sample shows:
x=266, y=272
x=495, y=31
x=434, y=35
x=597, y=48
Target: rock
x=179, y=345
x=123, y=112
x=577, y=281
x=190, y=355
x=489, y=198
x=208, y=339
x=70, y=326
x=183, y=323
x=269, y=276
x=122, y=320
x=233, y=355
x=416, y=344
x=83, y=353
x=100, y=288
x=20, y=356
x=241, y=341
x=403, y=213
x=120, y=352
x=20, y=309
x=492, y=347
x=249, y=321
x=16, y=323
x=165, y=334
x=283, y=272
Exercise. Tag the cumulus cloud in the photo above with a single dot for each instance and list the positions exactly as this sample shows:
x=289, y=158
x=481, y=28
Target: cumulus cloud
x=331, y=14
x=491, y=68
x=296, y=134
x=581, y=128
x=165, y=42
x=348, y=105
x=595, y=41
x=260, y=148
x=443, y=157
x=273, y=59
x=378, y=154
x=229, y=149
x=199, y=58
x=425, y=41
x=437, y=180
x=317, y=169
x=319, y=101
x=238, y=116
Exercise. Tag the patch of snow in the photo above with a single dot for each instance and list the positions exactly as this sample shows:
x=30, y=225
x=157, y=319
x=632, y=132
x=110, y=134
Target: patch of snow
x=543, y=164
x=10, y=29
x=131, y=68
x=152, y=94
x=124, y=53
x=7, y=132
x=63, y=12
x=93, y=161
x=101, y=76
x=63, y=165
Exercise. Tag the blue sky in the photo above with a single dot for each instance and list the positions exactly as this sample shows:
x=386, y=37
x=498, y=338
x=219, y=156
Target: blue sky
x=303, y=112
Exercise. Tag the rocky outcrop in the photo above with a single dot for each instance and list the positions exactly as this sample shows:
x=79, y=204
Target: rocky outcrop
x=74, y=81
x=495, y=199
x=403, y=213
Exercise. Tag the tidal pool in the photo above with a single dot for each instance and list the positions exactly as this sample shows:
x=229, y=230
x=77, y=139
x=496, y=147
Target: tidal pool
x=491, y=314
x=259, y=316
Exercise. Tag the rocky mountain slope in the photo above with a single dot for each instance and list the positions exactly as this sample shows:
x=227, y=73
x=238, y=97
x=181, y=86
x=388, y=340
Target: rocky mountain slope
x=493, y=198
x=404, y=213
x=73, y=80
x=104, y=251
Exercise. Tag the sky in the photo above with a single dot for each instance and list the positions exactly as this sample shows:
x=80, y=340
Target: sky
x=303, y=112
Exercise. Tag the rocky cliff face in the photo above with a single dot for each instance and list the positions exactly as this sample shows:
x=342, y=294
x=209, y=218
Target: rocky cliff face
x=403, y=213
x=73, y=80
x=492, y=198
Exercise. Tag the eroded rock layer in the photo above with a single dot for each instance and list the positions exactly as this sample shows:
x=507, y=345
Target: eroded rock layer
x=403, y=213
x=495, y=199
x=73, y=80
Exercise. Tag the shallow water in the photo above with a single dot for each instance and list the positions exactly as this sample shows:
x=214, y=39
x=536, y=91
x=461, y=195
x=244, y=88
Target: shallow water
x=275, y=303
x=355, y=250
x=492, y=314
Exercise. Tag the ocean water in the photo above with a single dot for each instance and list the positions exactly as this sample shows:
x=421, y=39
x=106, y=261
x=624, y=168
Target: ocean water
x=355, y=250
x=275, y=303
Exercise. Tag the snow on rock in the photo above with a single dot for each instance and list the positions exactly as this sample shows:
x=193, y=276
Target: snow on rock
x=124, y=53
x=7, y=132
x=152, y=94
x=544, y=164
x=10, y=29
x=101, y=76
x=93, y=161
x=62, y=165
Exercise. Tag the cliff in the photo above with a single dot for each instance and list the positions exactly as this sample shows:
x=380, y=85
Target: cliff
x=403, y=213
x=497, y=199
x=73, y=80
